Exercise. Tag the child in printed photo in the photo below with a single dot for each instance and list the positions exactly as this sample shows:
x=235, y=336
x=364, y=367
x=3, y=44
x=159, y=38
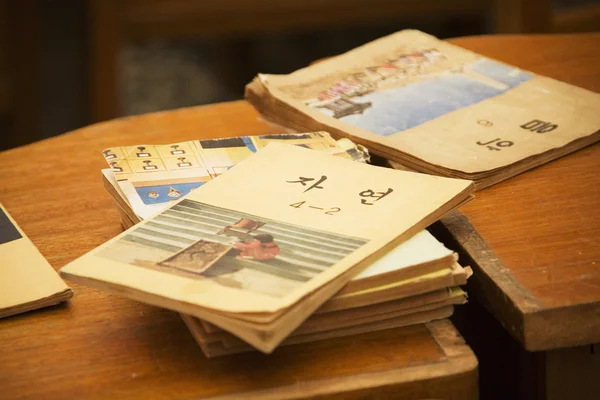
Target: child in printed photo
x=262, y=248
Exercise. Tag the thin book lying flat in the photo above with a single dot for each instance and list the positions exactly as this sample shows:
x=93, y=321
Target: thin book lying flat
x=422, y=256
x=433, y=107
x=241, y=261
x=135, y=189
x=28, y=282
x=415, y=267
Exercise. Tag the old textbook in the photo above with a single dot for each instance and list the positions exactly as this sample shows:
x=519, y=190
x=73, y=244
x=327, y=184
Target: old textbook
x=414, y=282
x=430, y=106
x=150, y=176
x=144, y=179
x=416, y=279
x=27, y=280
x=235, y=251
x=418, y=266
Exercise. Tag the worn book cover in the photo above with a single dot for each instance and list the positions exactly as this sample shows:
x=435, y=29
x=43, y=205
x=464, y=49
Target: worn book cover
x=151, y=176
x=434, y=107
x=419, y=255
x=243, y=250
x=27, y=280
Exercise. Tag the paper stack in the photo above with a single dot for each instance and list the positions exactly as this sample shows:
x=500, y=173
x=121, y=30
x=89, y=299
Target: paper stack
x=432, y=107
x=264, y=256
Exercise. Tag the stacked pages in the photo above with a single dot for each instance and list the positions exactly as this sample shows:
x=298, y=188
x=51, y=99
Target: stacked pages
x=432, y=107
x=415, y=282
x=259, y=250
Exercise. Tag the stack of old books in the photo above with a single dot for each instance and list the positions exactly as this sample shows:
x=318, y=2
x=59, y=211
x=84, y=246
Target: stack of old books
x=265, y=241
x=429, y=106
x=319, y=246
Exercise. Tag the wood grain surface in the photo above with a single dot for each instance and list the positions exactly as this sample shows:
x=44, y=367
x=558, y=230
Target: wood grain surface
x=103, y=346
x=536, y=243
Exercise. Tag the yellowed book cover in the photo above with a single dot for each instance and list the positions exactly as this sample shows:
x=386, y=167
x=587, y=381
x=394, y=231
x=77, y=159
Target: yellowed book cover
x=27, y=280
x=434, y=107
x=420, y=255
x=259, y=249
x=151, y=176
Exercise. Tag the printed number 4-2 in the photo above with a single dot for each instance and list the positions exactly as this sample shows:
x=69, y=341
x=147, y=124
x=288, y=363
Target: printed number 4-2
x=331, y=211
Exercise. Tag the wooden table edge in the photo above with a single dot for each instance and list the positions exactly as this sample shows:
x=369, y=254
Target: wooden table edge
x=460, y=365
x=581, y=324
x=457, y=40
x=521, y=314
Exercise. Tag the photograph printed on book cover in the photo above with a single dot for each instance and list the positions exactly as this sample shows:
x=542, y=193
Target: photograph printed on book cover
x=424, y=84
x=231, y=248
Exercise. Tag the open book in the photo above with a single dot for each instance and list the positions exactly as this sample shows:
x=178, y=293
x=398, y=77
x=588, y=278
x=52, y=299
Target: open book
x=430, y=106
x=241, y=259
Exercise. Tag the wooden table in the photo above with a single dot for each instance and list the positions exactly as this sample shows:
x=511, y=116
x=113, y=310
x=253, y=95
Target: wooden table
x=534, y=244
x=537, y=236
x=103, y=346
